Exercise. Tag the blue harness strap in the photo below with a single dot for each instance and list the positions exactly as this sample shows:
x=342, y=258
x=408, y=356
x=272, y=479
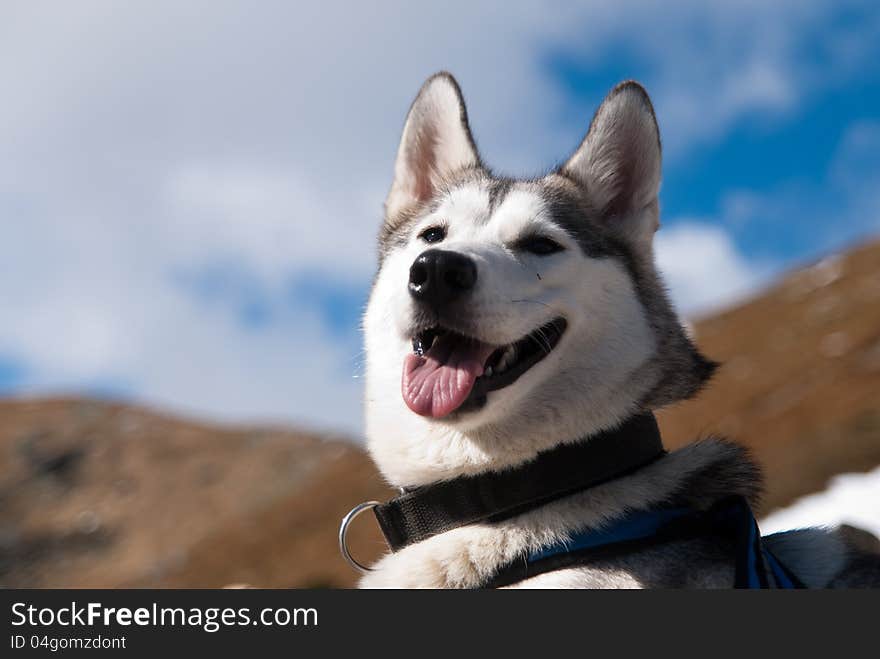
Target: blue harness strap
x=731, y=518
x=756, y=566
x=635, y=526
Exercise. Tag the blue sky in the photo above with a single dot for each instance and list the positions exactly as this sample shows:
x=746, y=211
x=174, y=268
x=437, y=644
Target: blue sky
x=787, y=153
x=190, y=192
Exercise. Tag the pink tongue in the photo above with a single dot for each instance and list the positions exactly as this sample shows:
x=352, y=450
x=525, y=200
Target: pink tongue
x=437, y=383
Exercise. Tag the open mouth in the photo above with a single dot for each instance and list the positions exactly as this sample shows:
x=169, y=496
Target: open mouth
x=449, y=372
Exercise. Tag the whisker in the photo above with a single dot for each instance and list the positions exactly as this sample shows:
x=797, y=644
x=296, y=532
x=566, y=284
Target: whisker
x=543, y=304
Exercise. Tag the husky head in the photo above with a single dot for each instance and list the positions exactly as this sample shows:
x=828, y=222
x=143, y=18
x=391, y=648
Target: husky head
x=509, y=316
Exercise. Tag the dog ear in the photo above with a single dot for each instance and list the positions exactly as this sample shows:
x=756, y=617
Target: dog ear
x=619, y=161
x=436, y=142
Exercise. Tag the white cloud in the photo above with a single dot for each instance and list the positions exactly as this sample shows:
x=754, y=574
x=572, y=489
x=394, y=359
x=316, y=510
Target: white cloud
x=267, y=221
x=849, y=499
x=139, y=139
x=703, y=268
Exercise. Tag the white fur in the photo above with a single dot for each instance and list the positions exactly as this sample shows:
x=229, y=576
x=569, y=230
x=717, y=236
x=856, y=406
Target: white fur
x=589, y=381
x=604, y=364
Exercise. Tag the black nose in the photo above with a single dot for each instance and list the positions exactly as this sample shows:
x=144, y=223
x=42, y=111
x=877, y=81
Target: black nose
x=439, y=277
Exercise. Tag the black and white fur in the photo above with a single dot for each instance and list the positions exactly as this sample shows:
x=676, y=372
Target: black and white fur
x=624, y=349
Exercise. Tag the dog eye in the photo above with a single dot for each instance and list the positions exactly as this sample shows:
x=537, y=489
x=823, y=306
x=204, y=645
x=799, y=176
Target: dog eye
x=433, y=234
x=540, y=245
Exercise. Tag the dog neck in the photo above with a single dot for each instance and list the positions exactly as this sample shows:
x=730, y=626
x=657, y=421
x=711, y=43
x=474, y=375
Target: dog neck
x=428, y=510
x=411, y=452
x=695, y=476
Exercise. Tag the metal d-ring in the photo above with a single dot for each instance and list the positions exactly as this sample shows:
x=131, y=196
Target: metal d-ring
x=343, y=533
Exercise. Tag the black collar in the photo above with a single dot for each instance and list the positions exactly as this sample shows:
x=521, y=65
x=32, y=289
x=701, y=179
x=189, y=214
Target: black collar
x=429, y=510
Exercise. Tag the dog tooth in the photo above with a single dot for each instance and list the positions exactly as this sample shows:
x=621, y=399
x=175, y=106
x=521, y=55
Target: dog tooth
x=488, y=372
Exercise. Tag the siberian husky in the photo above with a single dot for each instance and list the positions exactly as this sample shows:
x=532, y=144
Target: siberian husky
x=475, y=271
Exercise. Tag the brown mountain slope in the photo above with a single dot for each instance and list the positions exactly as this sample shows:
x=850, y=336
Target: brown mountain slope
x=103, y=494
x=800, y=380
x=100, y=494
